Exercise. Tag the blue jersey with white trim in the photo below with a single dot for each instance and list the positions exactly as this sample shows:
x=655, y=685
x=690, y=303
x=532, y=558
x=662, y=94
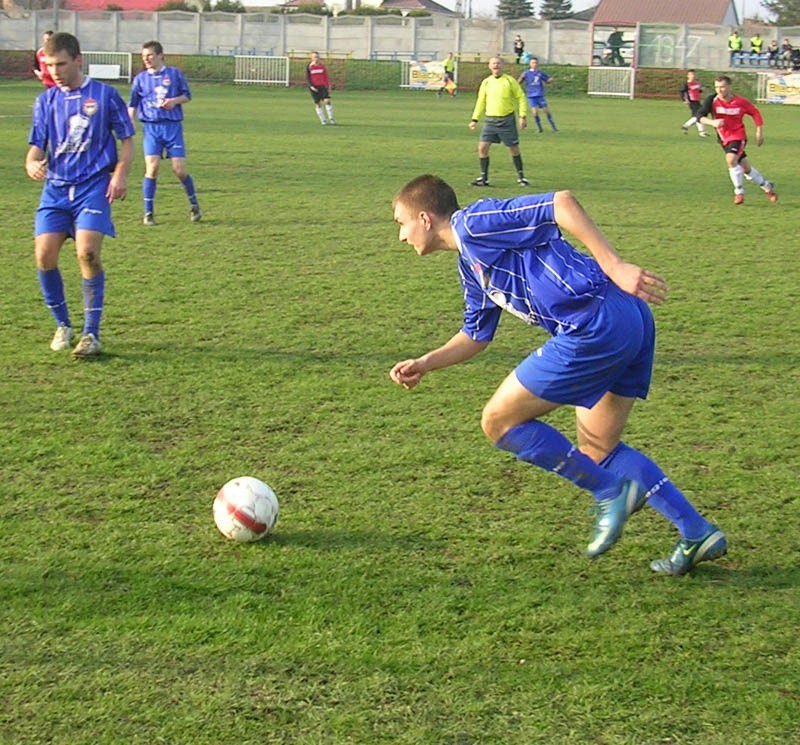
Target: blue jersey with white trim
x=534, y=82
x=76, y=129
x=149, y=90
x=513, y=257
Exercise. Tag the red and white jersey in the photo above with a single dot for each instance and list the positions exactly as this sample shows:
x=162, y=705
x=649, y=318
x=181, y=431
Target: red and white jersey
x=42, y=68
x=694, y=90
x=317, y=75
x=732, y=114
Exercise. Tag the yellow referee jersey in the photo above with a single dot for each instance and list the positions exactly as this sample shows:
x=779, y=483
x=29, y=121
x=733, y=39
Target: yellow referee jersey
x=500, y=96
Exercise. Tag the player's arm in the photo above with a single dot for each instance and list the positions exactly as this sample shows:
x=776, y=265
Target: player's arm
x=118, y=185
x=703, y=116
x=571, y=216
x=171, y=103
x=480, y=106
x=36, y=163
x=308, y=78
x=459, y=349
x=522, y=102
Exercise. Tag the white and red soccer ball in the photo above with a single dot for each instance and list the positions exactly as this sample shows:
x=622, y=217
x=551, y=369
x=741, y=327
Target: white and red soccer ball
x=245, y=509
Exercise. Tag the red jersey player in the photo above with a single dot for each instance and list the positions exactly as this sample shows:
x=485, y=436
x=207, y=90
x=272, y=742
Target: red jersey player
x=318, y=84
x=39, y=67
x=692, y=93
x=725, y=112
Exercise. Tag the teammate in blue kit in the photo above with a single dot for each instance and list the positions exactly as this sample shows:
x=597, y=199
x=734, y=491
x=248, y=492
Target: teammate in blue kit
x=73, y=150
x=533, y=81
x=157, y=97
x=512, y=256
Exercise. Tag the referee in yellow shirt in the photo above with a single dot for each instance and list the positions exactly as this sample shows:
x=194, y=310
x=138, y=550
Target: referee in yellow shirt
x=499, y=98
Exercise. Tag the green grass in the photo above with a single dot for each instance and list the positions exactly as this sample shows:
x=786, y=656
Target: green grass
x=420, y=587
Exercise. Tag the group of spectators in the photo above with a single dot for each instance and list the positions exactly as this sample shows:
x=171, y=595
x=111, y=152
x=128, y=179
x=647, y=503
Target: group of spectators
x=781, y=56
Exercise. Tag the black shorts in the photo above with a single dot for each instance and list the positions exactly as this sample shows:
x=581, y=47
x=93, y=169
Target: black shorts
x=320, y=94
x=736, y=147
x=501, y=129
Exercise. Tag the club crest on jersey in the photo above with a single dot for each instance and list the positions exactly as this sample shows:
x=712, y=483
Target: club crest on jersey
x=90, y=107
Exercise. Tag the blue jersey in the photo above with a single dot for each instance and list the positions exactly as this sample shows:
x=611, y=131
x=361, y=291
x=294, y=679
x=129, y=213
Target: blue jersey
x=149, y=90
x=512, y=257
x=76, y=128
x=534, y=81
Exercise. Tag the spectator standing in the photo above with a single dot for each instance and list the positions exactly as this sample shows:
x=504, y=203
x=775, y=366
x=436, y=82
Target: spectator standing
x=319, y=84
x=735, y=43
x=500, y=97
x=614, y=43
x=533, y=80
x=519, y=47
x=39, y=67
x=158, y=95
x=692, y=96
x=73, y=150
x=725, y=112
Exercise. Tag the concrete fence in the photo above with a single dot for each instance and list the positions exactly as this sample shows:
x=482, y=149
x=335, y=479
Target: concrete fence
x=565, y=42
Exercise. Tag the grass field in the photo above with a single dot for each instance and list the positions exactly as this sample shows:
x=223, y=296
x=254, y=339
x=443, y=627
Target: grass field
x=420, y=588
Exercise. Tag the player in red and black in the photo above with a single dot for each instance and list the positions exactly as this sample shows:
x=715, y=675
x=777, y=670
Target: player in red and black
x=318, y=84
x=691, y=94
x=39, y=67
x=725, y=112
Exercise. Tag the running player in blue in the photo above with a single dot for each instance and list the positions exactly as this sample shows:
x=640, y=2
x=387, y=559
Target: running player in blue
x=157, y=96
x=533, y=80
x=73, y=150
x=512, y=256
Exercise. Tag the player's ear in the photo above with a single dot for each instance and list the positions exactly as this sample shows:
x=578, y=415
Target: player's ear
x=426, y=219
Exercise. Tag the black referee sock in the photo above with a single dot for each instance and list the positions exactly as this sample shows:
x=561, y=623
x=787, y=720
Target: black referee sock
x=484, y=168
x=518, y=165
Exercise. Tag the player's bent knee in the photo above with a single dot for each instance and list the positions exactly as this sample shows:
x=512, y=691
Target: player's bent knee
x=494, y=426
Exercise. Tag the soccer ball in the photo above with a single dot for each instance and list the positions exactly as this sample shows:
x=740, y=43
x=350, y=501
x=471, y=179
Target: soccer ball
x=245, y=509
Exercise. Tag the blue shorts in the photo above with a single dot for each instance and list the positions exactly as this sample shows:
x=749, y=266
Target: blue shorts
x=537, y=102
x=160, y=138
x=613, y=352
x=66, y=209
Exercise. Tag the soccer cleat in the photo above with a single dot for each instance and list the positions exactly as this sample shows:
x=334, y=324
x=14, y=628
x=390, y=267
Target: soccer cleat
x=480, y=181
x=62, y=339
x=88, y=346
x=687, y=554
x=522, y=181
x=149, y=219
x=685, y=130
x=738, y=198
x=769, y=189
x=197, y=214
x=331, y=121
x=612, y=515
x=703, y=134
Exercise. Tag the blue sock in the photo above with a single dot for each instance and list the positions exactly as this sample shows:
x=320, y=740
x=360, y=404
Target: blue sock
x=544, y=446
x=149, y=192
x=93, y=295
x=663, y=495
x=188, y=187
x=52, y=285
x=538, y=122
x=552, y=123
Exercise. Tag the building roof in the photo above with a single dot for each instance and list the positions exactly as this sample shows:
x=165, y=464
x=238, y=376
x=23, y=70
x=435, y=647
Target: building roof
x=428, y=5
x=145, y=5
x=630, y=12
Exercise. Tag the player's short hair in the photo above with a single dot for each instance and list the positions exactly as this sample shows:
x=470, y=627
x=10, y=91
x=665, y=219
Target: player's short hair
x=429, y=193
x=154, y=45
x=63, y=42
x=723, y=79
x=690, y=70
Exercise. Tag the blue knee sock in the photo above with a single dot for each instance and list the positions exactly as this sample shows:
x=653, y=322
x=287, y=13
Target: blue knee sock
x=539, y=443
x=663, y=495
x=188, y=187
x=149, y=193
x=552, y=123
x=93, y=295
x=538, y=123
x=52, y=285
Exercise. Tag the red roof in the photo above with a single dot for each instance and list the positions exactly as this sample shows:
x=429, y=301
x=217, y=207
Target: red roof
x=146, y=5
x=630, y=12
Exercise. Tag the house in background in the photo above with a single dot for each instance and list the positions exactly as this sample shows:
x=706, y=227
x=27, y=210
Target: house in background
x=630, y=12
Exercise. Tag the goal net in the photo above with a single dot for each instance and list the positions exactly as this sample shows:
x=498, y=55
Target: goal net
x=253, y=70
x=618, y=82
